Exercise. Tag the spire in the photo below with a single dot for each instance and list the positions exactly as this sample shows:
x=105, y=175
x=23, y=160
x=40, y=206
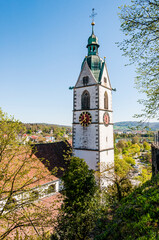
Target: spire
x=93, y=40
x=92, y=27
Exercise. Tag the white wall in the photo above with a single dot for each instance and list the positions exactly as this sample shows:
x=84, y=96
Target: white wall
x=86, y=137
x=102, y=91
x=91, y=157
x=93, y=91
x=106, y=136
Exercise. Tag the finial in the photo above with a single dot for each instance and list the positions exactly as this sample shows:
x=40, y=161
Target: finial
x=92, y=16
x=104, y=59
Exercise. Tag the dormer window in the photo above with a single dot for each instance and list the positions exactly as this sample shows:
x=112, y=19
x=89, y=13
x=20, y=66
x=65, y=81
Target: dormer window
x=85, y=80
x=51, y=189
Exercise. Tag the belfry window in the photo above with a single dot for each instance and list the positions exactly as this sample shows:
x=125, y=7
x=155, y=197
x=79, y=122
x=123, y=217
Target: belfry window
x=105, y=100
x=85, y=80
x=85, y=100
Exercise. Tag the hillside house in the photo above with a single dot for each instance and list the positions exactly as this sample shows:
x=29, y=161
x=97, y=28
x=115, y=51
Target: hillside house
x=41, y=194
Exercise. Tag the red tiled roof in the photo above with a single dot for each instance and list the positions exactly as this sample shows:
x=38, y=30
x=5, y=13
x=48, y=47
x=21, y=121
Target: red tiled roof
x=34, y=137
x=35, y=166
x=26, y=170
x=45, y=210
x=52, y=155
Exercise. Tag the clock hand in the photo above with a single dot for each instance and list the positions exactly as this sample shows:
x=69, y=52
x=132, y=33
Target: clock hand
x=84, y=119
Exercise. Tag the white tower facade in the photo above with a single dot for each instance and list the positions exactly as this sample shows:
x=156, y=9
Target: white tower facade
x=92, y=111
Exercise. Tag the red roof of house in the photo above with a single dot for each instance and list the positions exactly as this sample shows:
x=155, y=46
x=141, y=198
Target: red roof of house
x=52, y=155
x=34, y=137
x=36, y=173
x=43, y=215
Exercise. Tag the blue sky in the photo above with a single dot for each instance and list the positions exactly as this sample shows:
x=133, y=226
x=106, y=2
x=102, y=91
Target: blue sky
x=42, y=46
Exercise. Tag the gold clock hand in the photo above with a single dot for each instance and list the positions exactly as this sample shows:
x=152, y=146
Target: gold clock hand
x=83, y=119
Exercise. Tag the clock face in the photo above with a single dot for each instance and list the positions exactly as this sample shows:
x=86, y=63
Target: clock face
x=85, y=119
x=106, y=119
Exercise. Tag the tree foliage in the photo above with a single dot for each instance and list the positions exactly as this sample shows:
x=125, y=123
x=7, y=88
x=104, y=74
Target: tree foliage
x=129, y=160
x=19, y=173
x=136, y=216
x=135, y=139
x=146, y=146
x=119, y=179
x=140, y=24
x=78, y=215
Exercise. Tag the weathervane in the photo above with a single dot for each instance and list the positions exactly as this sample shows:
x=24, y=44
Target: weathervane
x=92, y=16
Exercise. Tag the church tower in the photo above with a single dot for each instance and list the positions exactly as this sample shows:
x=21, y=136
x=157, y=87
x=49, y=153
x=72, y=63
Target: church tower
x=92, y=110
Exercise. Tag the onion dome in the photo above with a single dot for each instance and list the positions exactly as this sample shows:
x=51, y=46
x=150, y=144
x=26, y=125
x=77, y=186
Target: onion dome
x=92, y=43
x=95, y=63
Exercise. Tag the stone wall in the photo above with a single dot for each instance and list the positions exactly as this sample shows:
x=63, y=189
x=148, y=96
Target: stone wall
x=155, y=159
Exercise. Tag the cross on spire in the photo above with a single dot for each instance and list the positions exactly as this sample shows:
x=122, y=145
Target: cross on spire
x=93, y=15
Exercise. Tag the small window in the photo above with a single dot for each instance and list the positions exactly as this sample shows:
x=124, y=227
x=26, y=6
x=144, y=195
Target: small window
x=34, y=195
x=10, y=204
x=105, y=100
x=93, y=48
x=105, y=79
x=106, y=139
x=51, y=189
x=85, y=80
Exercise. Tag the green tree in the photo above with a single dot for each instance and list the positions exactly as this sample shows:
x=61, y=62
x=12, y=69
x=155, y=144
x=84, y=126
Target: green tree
x=129, y=160
x=120, y=181
x=77, y=216
x=121, y=144
x=146, y=146
x=19, y=171
x=147, y=157
x=140, y=24
x=145, y=175
x=135, y=140
x=134, y=149
x=29, y=131
x=136, y=217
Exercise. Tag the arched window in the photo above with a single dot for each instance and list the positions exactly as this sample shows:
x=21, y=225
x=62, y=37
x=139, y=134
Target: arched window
x=85, y=100
x=105, y=100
